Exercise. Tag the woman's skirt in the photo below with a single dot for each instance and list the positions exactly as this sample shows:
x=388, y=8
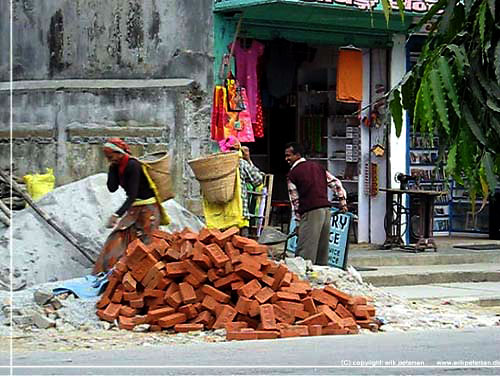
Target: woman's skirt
x=138, y=223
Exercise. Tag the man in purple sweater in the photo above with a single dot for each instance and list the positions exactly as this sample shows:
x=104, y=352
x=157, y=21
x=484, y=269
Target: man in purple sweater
x=308, y=184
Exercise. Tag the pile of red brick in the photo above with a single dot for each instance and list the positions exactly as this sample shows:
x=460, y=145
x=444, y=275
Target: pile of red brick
x=189, y=281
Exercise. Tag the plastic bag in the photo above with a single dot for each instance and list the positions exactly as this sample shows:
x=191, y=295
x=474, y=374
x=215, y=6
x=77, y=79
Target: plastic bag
x=39, y=185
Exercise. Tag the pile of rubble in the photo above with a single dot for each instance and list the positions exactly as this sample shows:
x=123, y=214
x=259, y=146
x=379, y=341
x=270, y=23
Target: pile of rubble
x=212, y=280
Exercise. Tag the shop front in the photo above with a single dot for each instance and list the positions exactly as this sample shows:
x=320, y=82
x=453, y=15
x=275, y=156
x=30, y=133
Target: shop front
x=316, y=72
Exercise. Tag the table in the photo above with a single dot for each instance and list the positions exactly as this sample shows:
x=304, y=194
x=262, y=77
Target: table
x=426, y=220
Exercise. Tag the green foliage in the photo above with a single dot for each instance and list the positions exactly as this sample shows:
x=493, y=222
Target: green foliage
x=453, y=91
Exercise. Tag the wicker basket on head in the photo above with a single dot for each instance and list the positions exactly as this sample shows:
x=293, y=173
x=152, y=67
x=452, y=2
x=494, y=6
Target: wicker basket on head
x=217, y=175
x=158, y=165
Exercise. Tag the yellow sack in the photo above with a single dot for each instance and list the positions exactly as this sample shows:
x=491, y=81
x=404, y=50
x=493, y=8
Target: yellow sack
x=39, y=185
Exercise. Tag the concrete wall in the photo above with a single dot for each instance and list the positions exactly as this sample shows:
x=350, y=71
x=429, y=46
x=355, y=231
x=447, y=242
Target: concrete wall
x=85, y=70
x=58, y=39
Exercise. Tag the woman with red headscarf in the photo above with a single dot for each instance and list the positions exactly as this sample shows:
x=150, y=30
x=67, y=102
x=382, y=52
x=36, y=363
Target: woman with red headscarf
x=139, y=215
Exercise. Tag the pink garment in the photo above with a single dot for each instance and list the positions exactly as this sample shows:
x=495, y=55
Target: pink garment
x=246, y=72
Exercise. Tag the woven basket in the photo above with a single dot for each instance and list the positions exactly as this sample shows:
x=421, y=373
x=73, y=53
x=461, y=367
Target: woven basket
x=158, y=165
x=217, y=175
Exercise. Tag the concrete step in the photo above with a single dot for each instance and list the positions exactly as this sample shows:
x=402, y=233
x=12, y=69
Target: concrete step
x=486, y=294
x=432, y=274
x=451, y=256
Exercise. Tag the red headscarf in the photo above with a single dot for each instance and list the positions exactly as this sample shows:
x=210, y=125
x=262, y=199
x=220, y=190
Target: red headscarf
x=117, y=145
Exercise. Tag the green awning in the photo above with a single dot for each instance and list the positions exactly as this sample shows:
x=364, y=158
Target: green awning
x=306, y=21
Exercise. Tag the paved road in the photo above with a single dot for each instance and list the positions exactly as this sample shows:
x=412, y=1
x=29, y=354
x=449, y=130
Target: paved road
x=381, y=353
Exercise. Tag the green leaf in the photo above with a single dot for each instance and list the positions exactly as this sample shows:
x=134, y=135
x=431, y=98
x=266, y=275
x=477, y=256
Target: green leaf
x=496, y=124
x=451, y=164
x=468, y=6
x=460, y=58
x=408, y=89
x=439, y=99
x=449, y=83
x=490, y=171
x=472, y=124
x=444, y=22
x=430, y=13
x=396, y=111
x=491, y=4
x=427, y=110
x=401, y=7
x=492, y=105
x=386, y=7
x=497, y=60
x=482, y=22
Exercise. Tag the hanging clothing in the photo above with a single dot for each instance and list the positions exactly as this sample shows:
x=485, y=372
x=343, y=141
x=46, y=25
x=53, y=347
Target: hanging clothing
x=258, y=124
x=350, y=76
x=226, y=123
x=246, y=71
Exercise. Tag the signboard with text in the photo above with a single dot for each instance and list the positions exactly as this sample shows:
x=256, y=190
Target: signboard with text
x=339, y=239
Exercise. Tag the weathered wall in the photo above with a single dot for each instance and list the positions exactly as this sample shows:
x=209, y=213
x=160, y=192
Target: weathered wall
x=85, y=70
x=57, y=39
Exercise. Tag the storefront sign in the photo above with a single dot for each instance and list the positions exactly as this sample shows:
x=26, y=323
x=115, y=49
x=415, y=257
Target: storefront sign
x=415, y=6
x=339, y=240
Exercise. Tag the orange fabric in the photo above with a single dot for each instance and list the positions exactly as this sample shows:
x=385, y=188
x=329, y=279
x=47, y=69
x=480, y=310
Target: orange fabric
x=350, y=76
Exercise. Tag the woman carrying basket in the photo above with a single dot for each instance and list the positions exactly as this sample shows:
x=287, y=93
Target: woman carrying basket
x=139, y=215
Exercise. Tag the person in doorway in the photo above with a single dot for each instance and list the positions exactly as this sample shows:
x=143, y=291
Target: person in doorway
x=139, y=215
x=308, y=184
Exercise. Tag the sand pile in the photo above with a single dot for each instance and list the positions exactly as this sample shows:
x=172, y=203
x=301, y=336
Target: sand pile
x=40, y=254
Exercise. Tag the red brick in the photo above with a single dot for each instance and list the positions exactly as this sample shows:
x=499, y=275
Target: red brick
x=204, y=318
x=278, y=276
x=236, y=325
x=121, y=266
x=267, y=317
x=268, y=280
x=127, y=311
x=172, y=254
x=162, y=235
x=364, y=311
x=205, y=235
x=317, y=319
x=250, y=289
x=237, y=285
x=315, y=330
x=255, y=249
x=254, y=308
x=189, y=310
x=139, y=319
x=203, y=261
x=243, y=305
x=264, y=295
x=267, y=334
x=294, y=331
x=250, y=260
x=349, y=323
x=296, y=288
x=200, y=295
x=248, y=272
x=252, y=323
x=334, y=331
x=186, y=250
x=231, y=251
x=283, y=315
x=281, y=295
x=154, y=315
x=216, y=294
x=342, y=311
x=309, y=305
x=103, y=302
x=212, y=275
x=240, y=241
x=111, y=312
x=228, y=267
x=192, y=280
x=188, y=234
x=131, y=295
x=155, y=328
x=136, y=251
x=240, y=336
x=323, y=297
x=176, y=269
x=187, y=293
x=140, y=269
x=160, y=245
x=129, y=283
x=227, y=315
x=330, y=314
x=117, y=296
x=287, y=280
x=291, y=307
x=154, y=293
x=222, y=238
x=183, y=328
x=342, y=297
x=194, y=269
x=361, y=300
x=171, y=320
x=125, y=323
x=209, y=303
x=227, y=280
x=302, y=314
x=217, y=255
x=172, y=287
x=174, y=300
